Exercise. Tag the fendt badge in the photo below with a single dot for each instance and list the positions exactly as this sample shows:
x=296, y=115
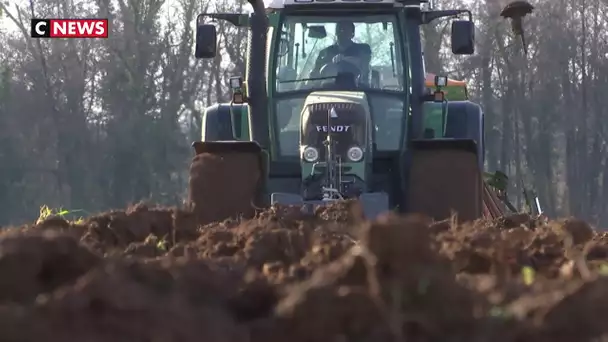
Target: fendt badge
x=334, y=129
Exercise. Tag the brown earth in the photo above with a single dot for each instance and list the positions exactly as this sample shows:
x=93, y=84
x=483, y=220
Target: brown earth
x=150, y=274
x=222, y=184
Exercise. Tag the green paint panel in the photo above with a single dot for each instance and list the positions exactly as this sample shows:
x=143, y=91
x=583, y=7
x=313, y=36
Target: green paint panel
x=455, y=93
x=245, y=123
x=273, y=19
x=434, y=118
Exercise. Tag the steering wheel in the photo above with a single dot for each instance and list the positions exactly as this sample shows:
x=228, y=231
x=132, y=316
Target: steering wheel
x=332, y=69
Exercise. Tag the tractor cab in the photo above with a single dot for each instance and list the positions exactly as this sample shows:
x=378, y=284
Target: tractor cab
x=356, y=52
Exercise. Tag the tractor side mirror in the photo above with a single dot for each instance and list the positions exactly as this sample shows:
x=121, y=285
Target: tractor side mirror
x=439, y=94
x=463, y=37
x=206, y=41
x=236, y=85
x=317, y=32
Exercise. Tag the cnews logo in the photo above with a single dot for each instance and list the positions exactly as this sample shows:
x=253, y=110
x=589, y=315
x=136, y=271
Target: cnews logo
x=69, y=28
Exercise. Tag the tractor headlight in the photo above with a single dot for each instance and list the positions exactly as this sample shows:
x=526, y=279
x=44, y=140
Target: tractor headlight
x=355, y=154
x=310, y=154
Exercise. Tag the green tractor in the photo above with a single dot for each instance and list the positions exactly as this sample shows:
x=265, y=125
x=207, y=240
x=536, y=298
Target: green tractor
x=326, y=129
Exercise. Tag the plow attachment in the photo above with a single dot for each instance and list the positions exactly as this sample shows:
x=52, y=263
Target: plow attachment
x=227, y=179
x=445, y=178
x=373, y=204
x=492, y=205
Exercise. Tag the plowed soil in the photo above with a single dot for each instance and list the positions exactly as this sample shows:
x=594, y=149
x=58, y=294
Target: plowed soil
x=152, y=274
x=222, y=184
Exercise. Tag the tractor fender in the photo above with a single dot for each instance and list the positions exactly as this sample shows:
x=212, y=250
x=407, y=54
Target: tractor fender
x=465, y=120
x=221, y=120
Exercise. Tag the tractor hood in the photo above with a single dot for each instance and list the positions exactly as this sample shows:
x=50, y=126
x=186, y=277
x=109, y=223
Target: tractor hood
x=341, y=114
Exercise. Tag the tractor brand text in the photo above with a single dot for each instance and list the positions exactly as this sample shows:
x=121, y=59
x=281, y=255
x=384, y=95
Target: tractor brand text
x=334, y=129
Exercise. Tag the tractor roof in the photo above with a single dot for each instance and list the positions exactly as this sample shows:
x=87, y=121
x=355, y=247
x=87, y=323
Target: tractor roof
x=278, y=4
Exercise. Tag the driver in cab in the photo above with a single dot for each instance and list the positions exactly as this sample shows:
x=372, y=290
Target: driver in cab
x=345, y=50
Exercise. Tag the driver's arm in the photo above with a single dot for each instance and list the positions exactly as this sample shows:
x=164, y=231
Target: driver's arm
x=366, y=54
x=366, y=58
x=362, y=57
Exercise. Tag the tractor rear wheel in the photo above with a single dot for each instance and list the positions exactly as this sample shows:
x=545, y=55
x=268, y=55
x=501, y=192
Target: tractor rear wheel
x=226, y=180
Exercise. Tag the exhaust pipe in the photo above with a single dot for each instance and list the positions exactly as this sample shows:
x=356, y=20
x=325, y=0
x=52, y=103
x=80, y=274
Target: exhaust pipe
x=256, y=76
x=258, y=6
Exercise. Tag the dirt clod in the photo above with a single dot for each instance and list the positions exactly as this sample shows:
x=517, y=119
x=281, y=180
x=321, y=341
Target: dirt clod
x=223, y=184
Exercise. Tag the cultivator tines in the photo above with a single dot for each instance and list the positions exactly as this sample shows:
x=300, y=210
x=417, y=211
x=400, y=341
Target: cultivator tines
x=491, y=204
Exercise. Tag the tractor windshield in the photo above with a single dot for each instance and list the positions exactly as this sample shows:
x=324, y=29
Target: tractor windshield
x=313, y=49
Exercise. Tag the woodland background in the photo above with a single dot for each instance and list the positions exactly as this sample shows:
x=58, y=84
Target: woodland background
x=98, y=124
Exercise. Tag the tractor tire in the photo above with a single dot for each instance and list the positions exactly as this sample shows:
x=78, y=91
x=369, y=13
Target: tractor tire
x=223, y=185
